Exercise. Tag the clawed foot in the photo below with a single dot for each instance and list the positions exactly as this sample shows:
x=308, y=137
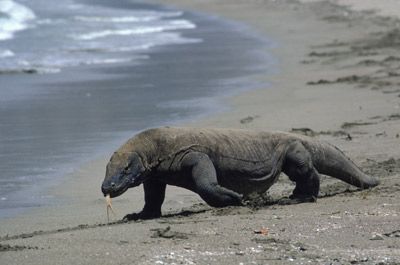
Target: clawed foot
x=141, y=216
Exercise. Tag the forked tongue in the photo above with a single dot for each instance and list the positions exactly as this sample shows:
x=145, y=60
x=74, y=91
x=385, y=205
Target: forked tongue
x=109, y=207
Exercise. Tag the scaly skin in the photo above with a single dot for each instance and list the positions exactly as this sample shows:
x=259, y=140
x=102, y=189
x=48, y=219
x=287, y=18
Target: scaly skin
x=223, y=165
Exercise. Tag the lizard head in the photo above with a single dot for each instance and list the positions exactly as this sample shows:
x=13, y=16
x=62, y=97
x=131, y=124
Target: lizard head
x=124, y=170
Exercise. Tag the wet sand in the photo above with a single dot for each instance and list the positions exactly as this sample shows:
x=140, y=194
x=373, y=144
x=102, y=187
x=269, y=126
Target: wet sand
x=338, y=80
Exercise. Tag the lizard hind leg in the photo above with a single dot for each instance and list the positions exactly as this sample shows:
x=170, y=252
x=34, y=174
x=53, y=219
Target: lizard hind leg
x=299, y=168
x=204, y=177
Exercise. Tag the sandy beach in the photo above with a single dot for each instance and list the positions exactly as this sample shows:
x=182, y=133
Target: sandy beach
x=338, y=80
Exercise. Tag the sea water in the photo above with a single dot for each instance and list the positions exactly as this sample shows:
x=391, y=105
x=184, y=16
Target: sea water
x=77, y=78
x=68, y=33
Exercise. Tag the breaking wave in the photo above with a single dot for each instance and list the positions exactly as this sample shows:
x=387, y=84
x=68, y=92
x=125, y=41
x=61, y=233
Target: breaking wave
x=127, y=19
x=171, y=25
x=13, y=17
x=70, y=34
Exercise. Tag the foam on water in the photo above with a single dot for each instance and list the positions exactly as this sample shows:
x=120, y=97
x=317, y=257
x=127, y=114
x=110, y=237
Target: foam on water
x=173, y=25
x=6, y=53
x=13, y=17
x=146, y=17
x=82, y=34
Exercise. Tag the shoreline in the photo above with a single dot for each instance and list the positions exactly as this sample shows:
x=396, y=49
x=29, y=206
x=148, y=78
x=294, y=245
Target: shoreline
x=85, y=111
x=320, y=87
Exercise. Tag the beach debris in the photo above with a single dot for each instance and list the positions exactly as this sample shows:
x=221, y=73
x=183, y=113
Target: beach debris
x=364, y=194
x=248, y=119
x=168, y=233
x=310, y=132
x=326, y=54
x=109, y=207
x=7, y=247
x=262, y=231
x=123, y=242
x=362, y=81
x=319, y=82
x=348, y=125
x=395, y=116
x=304, y=131
x=384, y=134
x=395, y=233
x=256, y=200
x=307, y=61
x=376, y=236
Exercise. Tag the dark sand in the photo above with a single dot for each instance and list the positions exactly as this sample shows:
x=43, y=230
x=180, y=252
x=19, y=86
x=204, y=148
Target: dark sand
x=339, y=81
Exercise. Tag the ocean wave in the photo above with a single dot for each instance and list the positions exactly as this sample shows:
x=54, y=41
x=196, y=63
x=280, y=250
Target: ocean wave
x=200, y=102
x=55, y=66
x=6, y=53
x=29, y=71
x=172, y=25
x=111, y=49
x=162, y=39
x=90, y=35
x=13, y=17
x=128, y=19
x=115, y=19
x=75, y=6
x=109, y=61
x=120, y=32
x=49, y=21
x=133, y=48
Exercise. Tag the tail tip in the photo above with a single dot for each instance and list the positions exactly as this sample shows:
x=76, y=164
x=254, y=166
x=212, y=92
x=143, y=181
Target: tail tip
x=373, y=182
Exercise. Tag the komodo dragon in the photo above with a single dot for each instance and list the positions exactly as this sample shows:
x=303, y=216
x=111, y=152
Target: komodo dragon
x=223, y=165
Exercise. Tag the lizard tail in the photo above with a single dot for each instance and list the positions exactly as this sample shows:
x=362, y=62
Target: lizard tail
x=329, y=160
